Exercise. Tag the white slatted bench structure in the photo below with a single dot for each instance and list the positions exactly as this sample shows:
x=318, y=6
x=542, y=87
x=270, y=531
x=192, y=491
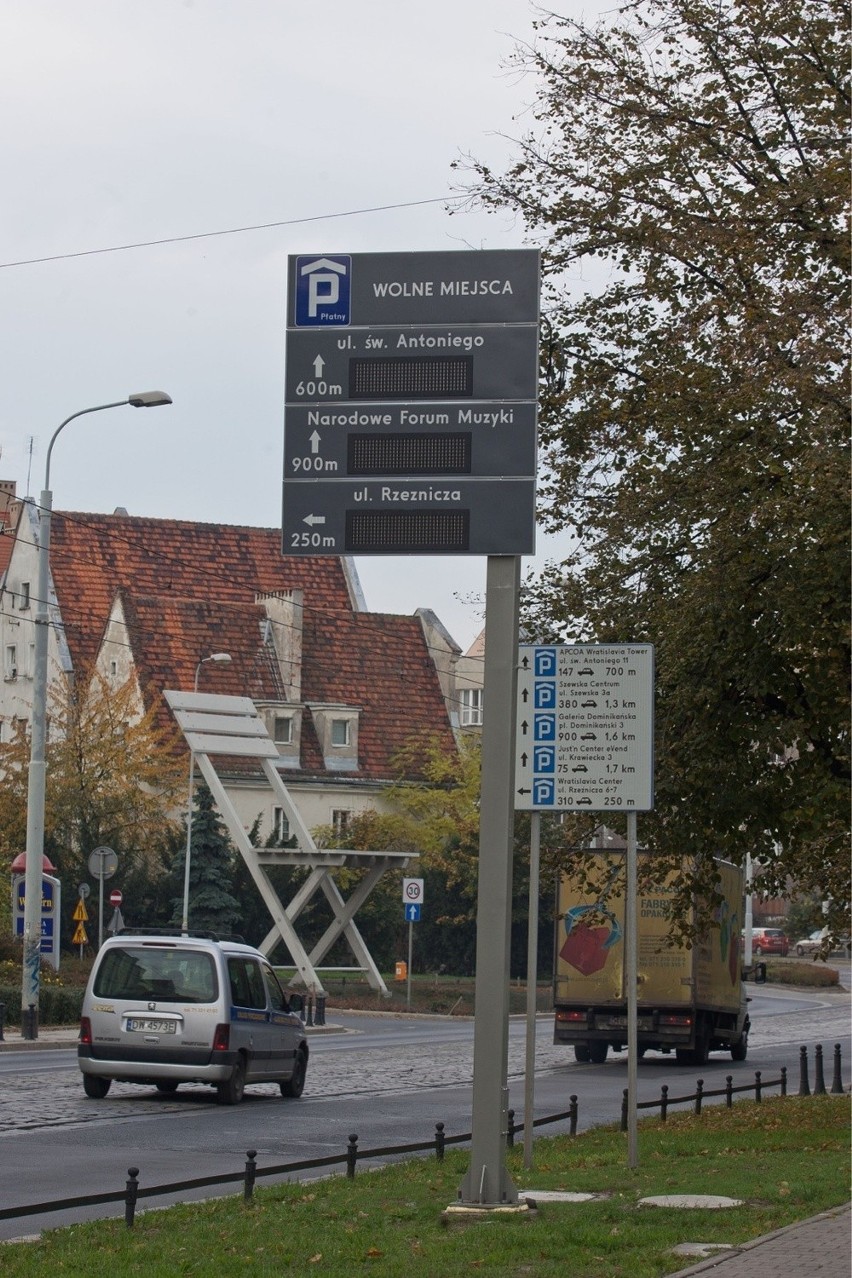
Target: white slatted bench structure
x=218, y=725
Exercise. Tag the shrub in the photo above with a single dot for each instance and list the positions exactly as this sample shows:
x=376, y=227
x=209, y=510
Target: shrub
x=813, y=974
x=57, y=1005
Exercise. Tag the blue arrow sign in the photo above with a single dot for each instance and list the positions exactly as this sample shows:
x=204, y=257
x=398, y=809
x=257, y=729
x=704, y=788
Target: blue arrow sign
x=412, y=913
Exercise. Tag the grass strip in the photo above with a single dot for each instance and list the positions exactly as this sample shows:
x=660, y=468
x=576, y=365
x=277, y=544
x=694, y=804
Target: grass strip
x=787, y=1158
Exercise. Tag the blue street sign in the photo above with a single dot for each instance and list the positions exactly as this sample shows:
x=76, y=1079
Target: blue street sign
x=412, y=913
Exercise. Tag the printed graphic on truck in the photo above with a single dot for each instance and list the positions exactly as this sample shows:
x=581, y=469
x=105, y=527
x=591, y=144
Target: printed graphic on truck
x=588, y=945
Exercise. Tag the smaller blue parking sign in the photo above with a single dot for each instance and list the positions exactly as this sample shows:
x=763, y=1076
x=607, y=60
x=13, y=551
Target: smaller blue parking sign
x=412, y=913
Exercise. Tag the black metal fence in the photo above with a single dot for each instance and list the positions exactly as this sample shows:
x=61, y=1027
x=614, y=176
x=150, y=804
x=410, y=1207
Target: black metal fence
x=132, y=1190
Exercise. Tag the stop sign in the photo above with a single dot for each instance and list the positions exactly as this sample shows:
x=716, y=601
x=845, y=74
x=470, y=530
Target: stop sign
x=115, y=897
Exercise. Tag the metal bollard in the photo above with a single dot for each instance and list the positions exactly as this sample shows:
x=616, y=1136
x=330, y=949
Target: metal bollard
x=310, y=1018
x=351, y=1156
x=320, y=1014
x=439, y=1142
x=729, y=1090
x=758, y=1093
x=664, y=1102
x=2, y=1020
x=783, y=1080
x=250, y=1173
x=511, y=1129
x=819, y=1077
x=624, y=1111
x=131, y=1190
x=837, y=1080
x=699, y=1095
x=804, y=1083
x=28, y=1022
x=572, y=1121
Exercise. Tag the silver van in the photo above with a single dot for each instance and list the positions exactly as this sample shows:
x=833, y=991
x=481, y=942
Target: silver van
x=169, y=1009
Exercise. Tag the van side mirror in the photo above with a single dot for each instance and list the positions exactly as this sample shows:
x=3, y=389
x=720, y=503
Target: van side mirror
x=296, y=1002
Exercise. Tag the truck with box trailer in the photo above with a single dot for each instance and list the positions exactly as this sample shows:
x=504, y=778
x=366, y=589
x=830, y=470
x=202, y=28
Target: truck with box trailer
x=690, y=999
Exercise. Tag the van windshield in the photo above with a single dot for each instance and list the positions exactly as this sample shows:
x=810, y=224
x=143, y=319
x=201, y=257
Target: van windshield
x=164, y=974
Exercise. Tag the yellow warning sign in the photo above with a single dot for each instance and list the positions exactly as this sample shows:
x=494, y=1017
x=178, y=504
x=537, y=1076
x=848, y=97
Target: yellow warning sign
x=80, y=937
x=81, y=914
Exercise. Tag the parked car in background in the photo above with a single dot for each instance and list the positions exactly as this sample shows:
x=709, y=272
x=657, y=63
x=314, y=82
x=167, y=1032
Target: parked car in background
x=814, y=941
x=769, y=940
x=809, y=944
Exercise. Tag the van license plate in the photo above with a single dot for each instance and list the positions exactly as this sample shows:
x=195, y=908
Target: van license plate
x=147, y=1025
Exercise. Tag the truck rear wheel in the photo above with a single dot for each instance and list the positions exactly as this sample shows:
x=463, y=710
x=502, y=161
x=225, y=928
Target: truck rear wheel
x=739, y=1051
x=597, y=1052
x=581, y=1053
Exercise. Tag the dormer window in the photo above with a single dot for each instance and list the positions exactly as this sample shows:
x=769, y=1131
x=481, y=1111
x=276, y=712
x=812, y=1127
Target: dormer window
x=282, y=729
x=284, y=725
x=337, y=732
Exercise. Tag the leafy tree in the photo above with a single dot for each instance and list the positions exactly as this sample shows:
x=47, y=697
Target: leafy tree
x=113, y=776
x=212, y=904
x=693, y=155
x=438, y=819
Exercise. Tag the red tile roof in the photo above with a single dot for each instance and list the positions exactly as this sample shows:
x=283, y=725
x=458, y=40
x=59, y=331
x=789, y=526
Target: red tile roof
x=94, y=556
x=380, y=663
x=190, y=589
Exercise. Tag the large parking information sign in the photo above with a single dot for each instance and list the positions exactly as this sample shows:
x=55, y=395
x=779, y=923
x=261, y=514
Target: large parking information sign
x=585, y=728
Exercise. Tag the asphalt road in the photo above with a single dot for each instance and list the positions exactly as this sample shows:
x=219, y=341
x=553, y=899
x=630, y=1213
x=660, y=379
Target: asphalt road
x=388, y=1079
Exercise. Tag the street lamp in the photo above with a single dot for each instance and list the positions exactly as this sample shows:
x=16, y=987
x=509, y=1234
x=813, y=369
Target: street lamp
x=224, y=658
x=35, y=788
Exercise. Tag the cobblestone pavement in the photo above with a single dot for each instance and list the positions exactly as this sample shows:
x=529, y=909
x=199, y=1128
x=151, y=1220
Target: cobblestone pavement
x=61, y=1100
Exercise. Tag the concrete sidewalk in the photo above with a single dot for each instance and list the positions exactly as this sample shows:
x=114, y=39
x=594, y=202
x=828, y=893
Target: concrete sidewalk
x=60, y=1036
x=821, y=1246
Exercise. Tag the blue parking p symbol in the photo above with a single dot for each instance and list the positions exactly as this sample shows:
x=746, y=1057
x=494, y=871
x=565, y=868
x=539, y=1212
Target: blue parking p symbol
x=544, y=791
x=545, y=663
x=544, y=727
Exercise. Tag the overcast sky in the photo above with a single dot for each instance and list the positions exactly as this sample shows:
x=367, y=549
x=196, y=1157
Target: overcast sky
x=137, y=120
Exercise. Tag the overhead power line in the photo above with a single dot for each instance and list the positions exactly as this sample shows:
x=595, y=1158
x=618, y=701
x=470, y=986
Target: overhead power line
x=233, y=230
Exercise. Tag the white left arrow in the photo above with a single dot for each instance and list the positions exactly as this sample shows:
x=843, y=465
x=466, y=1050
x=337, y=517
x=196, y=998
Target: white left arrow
x=319, y=365
x=314, y=519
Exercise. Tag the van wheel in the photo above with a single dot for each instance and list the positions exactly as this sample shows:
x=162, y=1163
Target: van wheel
x=96, y=1087
x=168, y=1086
x=295, y=1084
x=231, y=1091
x=597, y=1052
x=581, y=1053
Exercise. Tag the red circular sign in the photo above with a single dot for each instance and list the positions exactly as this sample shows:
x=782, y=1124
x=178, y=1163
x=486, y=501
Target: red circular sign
x=115, y=897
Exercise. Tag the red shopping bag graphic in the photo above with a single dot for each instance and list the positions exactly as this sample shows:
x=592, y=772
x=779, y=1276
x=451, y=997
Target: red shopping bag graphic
x=585, y=948
x=587, y=945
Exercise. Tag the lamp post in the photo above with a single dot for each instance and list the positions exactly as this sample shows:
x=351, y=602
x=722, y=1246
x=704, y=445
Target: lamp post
x=224, y=658
x=35, y=785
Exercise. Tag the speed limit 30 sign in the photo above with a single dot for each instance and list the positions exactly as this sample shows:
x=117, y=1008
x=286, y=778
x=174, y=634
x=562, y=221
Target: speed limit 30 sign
x=412, y=891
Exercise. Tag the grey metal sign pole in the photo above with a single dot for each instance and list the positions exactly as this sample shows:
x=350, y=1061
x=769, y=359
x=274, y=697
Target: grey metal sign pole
x=532, y=986
x=487, y=1182
x=631, y=954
